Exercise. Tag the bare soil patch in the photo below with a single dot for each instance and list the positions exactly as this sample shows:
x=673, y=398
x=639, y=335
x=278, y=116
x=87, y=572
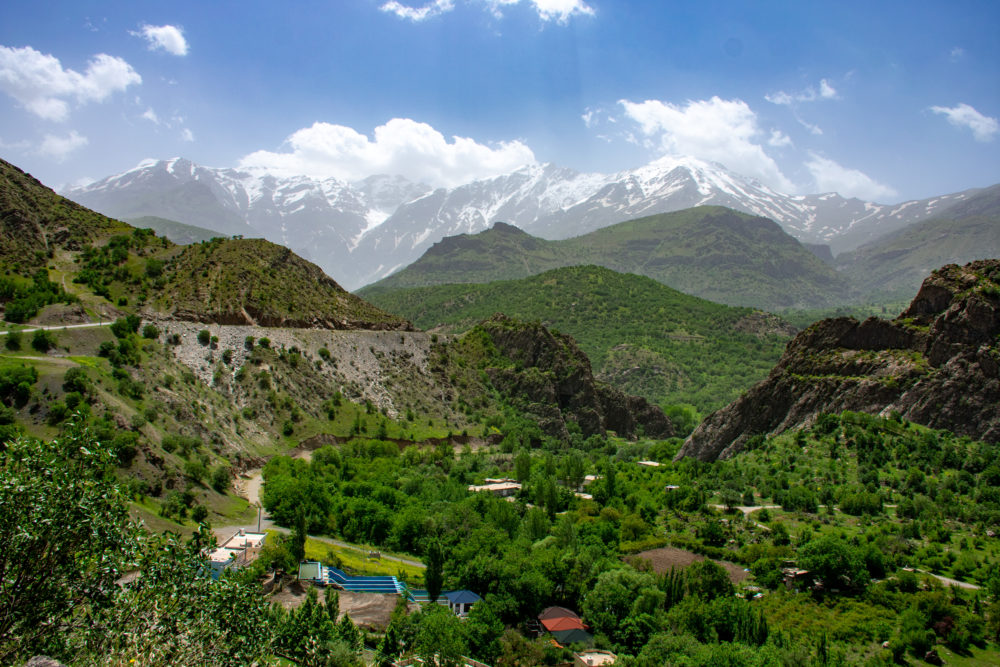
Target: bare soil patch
x=665, y=558
x=369, y=611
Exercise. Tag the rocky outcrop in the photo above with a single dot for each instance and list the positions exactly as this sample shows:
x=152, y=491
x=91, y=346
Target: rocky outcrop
x=551, y=380
x=936, y=364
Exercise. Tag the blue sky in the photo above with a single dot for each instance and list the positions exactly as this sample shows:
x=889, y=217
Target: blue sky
x=885, y=101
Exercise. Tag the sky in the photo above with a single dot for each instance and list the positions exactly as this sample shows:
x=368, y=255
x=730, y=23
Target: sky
x=886, y=101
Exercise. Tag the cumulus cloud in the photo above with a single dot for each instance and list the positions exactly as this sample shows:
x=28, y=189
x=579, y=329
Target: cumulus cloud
x=723, y=131
x=166, y=37
x=561, y=10
x=59, y=148
x=825, y=92
x=549, y=10
x=779, y=139
x=41, y=85
x=401, y=146
x=832, y=177
x=417, y=14
x=984, y=128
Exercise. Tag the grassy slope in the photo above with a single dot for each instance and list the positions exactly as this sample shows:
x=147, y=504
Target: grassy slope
x=236, y=280
x=709, y=251
x=644, y=337
x=35, y=221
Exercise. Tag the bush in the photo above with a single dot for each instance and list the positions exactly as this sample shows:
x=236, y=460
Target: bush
x=151, y=332
x=264, y=341
x=220, y=479
x=204, y=337
x=13, y=341
x=195, y=470
x=43, y=340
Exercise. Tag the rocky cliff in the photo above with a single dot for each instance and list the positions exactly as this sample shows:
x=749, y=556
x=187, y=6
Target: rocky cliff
x=551, y=379
x=936, y=364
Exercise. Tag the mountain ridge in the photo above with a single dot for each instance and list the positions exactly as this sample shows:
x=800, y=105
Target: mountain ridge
x=361, y=232
x=710, y=251
x=937, y=364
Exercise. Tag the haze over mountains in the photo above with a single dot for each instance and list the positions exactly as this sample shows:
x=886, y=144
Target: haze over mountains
x=363, y=231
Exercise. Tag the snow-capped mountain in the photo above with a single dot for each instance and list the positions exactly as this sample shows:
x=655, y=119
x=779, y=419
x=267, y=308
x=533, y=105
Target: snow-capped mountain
x=363, y=231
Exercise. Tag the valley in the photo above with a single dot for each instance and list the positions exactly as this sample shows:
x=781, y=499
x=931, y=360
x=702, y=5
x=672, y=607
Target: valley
x=846, y=473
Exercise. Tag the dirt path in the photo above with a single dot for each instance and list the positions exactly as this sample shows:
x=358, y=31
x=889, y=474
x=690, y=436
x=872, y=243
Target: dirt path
x=951, y=582
x=747, y=509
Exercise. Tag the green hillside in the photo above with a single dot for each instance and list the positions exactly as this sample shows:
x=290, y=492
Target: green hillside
x=35, y=222
x=709, y=251
x=893, y=267
x=242, y=281
x=640, y=335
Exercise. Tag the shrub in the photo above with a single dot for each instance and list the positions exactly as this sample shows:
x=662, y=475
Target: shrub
x=43, y=340
x=204, y=337
x=151, y=332
x=13, y=341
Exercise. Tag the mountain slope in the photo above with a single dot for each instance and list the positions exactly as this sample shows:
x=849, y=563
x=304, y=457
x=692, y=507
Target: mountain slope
x=640, y=335
x=361, y=232
x=35, y=221
x=253, y=281
x=709, y=251
x=894, y=265
x=225, y=280
x=937, y=364
x=178, y=232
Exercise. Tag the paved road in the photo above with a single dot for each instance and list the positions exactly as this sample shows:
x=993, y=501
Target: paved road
x=56, y=327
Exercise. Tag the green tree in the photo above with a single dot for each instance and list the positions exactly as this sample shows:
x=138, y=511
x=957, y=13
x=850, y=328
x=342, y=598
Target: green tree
x=836, y=563
x=65, y=537
x=297, y=542
x=440, y=637
x=708, y=580
x=434, y=575
x=43, y=340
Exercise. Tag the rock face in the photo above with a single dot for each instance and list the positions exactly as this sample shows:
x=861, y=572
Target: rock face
x=551, y=380
x=937, y=364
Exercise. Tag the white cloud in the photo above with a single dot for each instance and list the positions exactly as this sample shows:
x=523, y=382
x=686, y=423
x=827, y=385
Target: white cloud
x=561, y=10
x=826, y=91
x=167, y=37
x=984, y=128
x=417, y=14
x=779, y=139
x=723, y=131
x=59, y=148
x=548, y=10
x=187, y=134
x=401, y=146
x=151, y=116
x=832, y=177
x=39, y=82
x=956, y=54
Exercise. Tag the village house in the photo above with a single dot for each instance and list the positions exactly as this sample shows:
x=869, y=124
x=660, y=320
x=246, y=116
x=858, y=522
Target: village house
x=501, y=488
x=237, y=552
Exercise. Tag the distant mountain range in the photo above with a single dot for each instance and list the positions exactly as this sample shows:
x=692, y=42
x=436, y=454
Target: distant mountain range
x=711, y=252
x=363, y=231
